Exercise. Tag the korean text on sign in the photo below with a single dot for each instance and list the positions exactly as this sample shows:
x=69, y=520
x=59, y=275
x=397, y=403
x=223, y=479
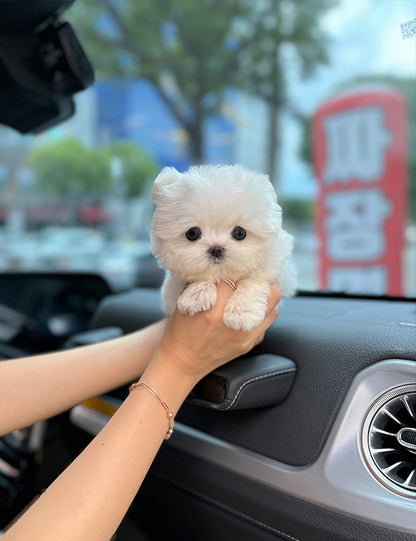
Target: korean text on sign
x=360, y=163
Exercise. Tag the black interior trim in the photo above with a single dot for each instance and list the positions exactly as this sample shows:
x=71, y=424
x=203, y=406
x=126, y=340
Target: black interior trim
x=192, y=488
x=329, y=339
x=21, y=16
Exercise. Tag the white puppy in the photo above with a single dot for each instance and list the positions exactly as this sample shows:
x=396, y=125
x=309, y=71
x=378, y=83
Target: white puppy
x=216, y=223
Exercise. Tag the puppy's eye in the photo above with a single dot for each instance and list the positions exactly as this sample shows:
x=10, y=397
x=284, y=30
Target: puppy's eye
x=238, y=233
x=193, y=234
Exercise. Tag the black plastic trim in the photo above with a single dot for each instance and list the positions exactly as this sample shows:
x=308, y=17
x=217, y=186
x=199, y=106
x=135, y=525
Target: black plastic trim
x=329, y=339
x=261, y=511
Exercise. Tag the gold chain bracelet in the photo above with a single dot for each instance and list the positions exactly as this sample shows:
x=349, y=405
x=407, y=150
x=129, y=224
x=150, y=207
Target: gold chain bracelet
x=152, y=391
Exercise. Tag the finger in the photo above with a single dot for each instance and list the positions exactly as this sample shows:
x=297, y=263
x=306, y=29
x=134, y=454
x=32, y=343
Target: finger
x=257, y=334
x=270, y=317
x=275, y=296
x=259, y=339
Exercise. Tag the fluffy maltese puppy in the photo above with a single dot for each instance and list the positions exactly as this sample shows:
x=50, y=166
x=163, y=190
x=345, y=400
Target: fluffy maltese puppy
x=215, y=223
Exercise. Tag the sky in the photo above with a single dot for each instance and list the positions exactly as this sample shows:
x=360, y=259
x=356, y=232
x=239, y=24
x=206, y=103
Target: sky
x=366, y=39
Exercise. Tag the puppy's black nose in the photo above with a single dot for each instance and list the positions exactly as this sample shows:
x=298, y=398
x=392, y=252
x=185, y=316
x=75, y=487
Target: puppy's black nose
x=216, y=251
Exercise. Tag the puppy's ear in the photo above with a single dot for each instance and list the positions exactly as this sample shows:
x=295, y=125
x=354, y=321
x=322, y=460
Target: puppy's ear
x=167, y=176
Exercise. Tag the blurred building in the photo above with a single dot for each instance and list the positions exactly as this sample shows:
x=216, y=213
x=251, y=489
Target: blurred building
x=134, y=111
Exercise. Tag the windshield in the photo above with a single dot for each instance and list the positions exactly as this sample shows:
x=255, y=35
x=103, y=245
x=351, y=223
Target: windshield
x=319, y=95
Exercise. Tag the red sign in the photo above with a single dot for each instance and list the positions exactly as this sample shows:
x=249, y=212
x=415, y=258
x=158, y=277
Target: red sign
x=360, y=163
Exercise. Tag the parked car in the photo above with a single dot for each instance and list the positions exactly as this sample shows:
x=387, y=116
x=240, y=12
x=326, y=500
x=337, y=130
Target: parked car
x=311, y=436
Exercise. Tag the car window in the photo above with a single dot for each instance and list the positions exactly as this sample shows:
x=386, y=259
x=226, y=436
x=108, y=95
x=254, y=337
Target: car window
x=319, y=95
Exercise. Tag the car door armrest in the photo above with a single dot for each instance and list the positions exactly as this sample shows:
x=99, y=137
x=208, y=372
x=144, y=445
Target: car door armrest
x=249, y=382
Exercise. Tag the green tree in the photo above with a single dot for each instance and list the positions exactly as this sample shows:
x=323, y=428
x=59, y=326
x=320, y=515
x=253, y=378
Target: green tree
x=192, y=51
x=135, y=166
x=288, y=32
x=71, y=168
x=298, y=210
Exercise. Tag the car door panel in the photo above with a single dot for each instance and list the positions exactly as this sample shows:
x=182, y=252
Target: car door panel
x=329, y=341
x=189, y=498
x=295, y=470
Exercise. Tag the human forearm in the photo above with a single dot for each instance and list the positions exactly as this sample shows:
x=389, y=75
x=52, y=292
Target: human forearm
x=88, y=501
x=38, y=387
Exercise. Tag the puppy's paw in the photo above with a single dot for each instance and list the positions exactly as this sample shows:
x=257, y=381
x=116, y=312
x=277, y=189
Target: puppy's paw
x=246, y=308
x=242, y=317
x=197, y=297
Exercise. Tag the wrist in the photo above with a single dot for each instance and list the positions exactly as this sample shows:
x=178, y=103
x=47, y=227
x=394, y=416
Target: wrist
x=171, y=382
x=153, y=392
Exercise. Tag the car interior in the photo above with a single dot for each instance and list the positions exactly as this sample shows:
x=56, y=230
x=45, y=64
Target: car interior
x=311, y=436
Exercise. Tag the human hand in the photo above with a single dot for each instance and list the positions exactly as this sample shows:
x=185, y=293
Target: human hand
x=201, y=343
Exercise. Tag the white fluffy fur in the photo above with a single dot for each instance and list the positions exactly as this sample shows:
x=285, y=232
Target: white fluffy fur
x=216, y=199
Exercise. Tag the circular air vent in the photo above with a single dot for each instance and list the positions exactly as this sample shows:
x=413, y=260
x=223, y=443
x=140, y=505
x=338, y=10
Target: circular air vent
x=389, y=440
